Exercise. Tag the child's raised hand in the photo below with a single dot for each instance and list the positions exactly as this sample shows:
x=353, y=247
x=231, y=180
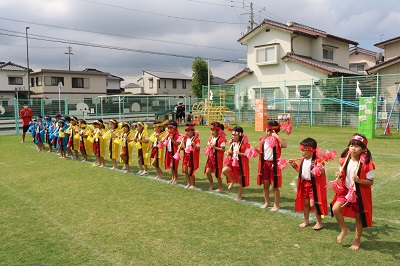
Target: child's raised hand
x=337, y=174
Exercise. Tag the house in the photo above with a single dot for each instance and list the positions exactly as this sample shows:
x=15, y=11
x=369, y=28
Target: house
x=113, y=82
x=13, y=77
x=133, y=88
x=166, y=83
x=74, y=84
x=218, y=80
x=290, y=52
x=361, y=59
x=390, y=62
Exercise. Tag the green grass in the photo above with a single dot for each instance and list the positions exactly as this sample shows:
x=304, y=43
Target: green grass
x=63, y=212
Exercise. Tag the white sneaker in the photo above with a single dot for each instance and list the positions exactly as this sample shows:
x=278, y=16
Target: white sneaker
x=139, y=173
x=144, y=174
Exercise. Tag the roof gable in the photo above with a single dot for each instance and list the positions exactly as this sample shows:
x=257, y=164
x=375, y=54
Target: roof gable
x=167, y=75
x=11, y=67
x=382, y=44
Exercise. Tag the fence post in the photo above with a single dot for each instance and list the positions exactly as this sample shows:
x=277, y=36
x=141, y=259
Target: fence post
x=147, y=109
x=66, y=106
x=16, y=116
x=284, y=95
x=341, y=101
x=42, y=107
x=96, y=106
x=239, y=102
x=123, y=108
x=376, y=101
x=311, y=97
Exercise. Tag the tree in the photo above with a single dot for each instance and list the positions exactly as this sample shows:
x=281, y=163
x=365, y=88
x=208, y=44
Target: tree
x=199, y=76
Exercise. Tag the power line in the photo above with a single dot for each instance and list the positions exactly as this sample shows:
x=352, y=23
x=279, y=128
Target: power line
x=162, y=15
x=58, y=40
x=118, y=35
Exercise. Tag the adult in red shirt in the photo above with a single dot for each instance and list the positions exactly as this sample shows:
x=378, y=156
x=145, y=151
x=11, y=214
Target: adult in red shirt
x=26, y=115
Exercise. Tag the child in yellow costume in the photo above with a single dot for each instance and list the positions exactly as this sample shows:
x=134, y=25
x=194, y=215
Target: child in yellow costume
x=125, y=140
x=73, y=141
x=142, y=144
x=85, y=145
x=113, y=147
x=156, y=148
x=99, y=144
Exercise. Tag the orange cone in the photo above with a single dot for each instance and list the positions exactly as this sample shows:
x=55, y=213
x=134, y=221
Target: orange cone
x=387, y=128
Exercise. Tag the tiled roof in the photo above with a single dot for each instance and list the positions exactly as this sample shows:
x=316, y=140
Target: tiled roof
x=382, y=44
x=244, y=72
x=361, y=50
x=377, y=67
x=298, y=28
x=167, y=75
x=329, y=68
x=11, y=66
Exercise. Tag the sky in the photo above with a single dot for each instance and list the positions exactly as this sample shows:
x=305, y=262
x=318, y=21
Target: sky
x=124, y=37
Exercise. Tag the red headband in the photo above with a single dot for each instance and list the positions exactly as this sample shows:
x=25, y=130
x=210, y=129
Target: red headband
x=215, y=128
x=189, y=127
x=276, y=128
x=359, y=138
x=307, y=148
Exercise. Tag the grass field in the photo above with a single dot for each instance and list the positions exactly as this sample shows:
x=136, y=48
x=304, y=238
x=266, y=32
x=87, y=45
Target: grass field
x=63, y=212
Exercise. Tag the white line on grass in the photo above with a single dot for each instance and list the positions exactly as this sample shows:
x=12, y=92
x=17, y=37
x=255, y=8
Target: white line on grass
x=60, y=226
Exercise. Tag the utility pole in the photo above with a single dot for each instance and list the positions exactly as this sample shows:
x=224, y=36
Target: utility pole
x=27, y=61
x=251, y=16
x=69, y=57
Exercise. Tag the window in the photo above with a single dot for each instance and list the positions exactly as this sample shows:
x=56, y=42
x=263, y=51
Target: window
x=32, y=83
x=357, y=68
x=174, y=82
x=15, y=81
x=53, y=81
x=150, y=83
x=165, y=83
x=267, y=93
x=327, y=54
x=158, y=83
x=183, y=84
x=77, y=83
x=305, y=91
x=38, y=81
x=267, y=55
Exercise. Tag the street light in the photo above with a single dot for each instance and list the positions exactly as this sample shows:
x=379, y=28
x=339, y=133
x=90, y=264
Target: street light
x=27, y=60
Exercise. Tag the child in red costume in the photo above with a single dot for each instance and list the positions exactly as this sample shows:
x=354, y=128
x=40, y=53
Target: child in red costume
x=191, y=156
x=311, y=184
x=237, y=167
x=215, y=152
x=171, y=148
x=268, y=171
x=357, y=175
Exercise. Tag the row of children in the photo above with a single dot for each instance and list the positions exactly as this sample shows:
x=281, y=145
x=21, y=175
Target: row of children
x=352, y=185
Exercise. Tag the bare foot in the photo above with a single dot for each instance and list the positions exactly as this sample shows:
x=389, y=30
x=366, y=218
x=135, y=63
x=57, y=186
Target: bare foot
x=211, y=187
x=265, y=205
x=355, y=245
x=230, y=185
x=274, y=209
x=187, y=186
x=126, y=172
x=303, y=225
x=219, y=189
x=112, y=168
x=170, y=181
x=317, y=227
x=238, y=199
x=342, y=234
x=192, y=187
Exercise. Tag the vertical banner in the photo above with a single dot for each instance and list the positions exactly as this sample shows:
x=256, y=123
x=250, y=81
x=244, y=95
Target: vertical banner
x=366, y=116
x=261, y=114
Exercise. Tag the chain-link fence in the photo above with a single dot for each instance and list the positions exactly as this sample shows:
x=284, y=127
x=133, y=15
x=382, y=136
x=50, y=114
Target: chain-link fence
x=331, y=101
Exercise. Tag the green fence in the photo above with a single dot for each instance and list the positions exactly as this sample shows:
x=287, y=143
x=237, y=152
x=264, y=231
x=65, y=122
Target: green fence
x=332, y=101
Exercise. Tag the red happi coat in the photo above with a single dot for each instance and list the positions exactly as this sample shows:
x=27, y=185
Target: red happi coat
x=194, y=155
x=218, y=157
x=364, y=194
x=277, y=150
x=175, y=136
x=243, y=165
x=318, y=187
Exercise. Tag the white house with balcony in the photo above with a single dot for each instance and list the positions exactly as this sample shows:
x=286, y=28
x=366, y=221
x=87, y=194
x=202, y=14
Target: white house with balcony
x=283, y=59
x=12, y=77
